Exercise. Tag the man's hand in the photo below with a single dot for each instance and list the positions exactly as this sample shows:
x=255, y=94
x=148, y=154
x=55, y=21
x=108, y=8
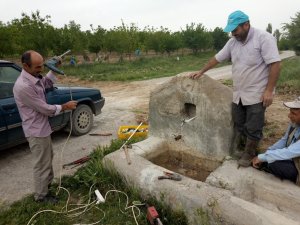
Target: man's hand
x=58, y=60
x=256, y=162
x=69, y=105
x=211, y=63
x=267, y=98
x=195, y=75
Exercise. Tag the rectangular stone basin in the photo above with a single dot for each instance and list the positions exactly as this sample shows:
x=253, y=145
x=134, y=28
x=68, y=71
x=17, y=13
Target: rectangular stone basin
x=228, y=195
x=259, y=188
x=273, y=196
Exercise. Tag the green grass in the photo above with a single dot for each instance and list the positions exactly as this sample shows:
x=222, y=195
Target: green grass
x=228, y=82
x=141, y=69
x=79, y=186
x=289, y=79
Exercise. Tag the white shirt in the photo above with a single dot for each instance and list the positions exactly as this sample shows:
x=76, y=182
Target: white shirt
x=250, y=64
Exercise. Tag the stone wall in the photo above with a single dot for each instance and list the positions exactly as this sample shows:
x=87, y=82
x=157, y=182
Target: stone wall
x=209, y=101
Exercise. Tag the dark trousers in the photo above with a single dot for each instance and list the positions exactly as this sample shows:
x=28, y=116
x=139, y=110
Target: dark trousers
x=284, y=169
x=249, y=119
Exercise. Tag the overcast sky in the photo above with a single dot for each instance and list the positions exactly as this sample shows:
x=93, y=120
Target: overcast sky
x=172, y=14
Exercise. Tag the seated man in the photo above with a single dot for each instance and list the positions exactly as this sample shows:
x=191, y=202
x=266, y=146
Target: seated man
x=283, y=158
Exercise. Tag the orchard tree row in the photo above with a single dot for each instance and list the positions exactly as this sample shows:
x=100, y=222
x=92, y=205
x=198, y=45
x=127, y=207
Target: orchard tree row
x=37, y=33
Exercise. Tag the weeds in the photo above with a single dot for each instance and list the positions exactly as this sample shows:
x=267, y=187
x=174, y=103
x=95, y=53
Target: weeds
x=227, y=83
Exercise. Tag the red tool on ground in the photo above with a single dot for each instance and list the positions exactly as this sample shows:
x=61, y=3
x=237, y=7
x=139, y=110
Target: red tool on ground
x=152, y=215
x=77, y=162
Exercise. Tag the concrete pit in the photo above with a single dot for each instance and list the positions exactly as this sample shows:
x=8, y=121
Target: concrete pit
x=186, y=164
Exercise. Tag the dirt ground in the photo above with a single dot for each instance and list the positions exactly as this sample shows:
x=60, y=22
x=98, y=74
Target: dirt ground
x=126, y=103
x=134, y=96
x=276, y=120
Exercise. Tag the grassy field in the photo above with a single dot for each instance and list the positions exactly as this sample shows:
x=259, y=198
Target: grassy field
x=96, y=176
x=289, y=79
x=141, y=69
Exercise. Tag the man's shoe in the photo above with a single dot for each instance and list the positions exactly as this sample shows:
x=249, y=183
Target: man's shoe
x=237, y=155
x=245, y=160
x=248, y=154
x=48, y=199
x=239, y=145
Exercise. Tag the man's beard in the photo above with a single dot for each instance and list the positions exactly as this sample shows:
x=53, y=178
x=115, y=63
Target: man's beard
x=242, y=37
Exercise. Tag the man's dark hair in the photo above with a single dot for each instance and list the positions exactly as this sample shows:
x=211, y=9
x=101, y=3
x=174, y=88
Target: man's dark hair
x=26, y=58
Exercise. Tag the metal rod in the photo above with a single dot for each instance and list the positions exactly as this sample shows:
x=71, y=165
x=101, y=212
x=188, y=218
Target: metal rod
x=67, y=52
x=127, y=154
x=132, y=134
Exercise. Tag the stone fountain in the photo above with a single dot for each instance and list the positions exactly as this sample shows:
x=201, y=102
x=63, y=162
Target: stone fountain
x=191, y=133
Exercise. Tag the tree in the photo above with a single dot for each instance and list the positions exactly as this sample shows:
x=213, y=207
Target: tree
x=130, y=38
x=123, y=39
x=7, y=40
x=269, y=28
x=173, y=42
x=219, y=38
x=166, y=41
x=277, y=35
x=33, y=32
x=154, y=40
x=73, y=38
x=284, y=44
x=196, y=37
x=293, y=33
x=143, y=36
x=96, y=39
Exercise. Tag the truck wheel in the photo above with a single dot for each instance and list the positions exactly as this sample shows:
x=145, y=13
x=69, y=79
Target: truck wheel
x=82, y=120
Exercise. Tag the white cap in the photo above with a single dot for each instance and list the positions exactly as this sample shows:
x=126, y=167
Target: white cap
x=294, y=104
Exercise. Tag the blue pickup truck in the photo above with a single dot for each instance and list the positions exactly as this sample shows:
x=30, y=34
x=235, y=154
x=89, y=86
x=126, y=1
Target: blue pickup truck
x=90, y=101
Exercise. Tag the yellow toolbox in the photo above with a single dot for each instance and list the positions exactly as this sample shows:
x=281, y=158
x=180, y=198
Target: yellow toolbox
x=125, y=132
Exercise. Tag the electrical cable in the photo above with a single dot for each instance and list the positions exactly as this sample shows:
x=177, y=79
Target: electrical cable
x=132, y=207
x=66, y=206
x=91, y=205
x=68, y=138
